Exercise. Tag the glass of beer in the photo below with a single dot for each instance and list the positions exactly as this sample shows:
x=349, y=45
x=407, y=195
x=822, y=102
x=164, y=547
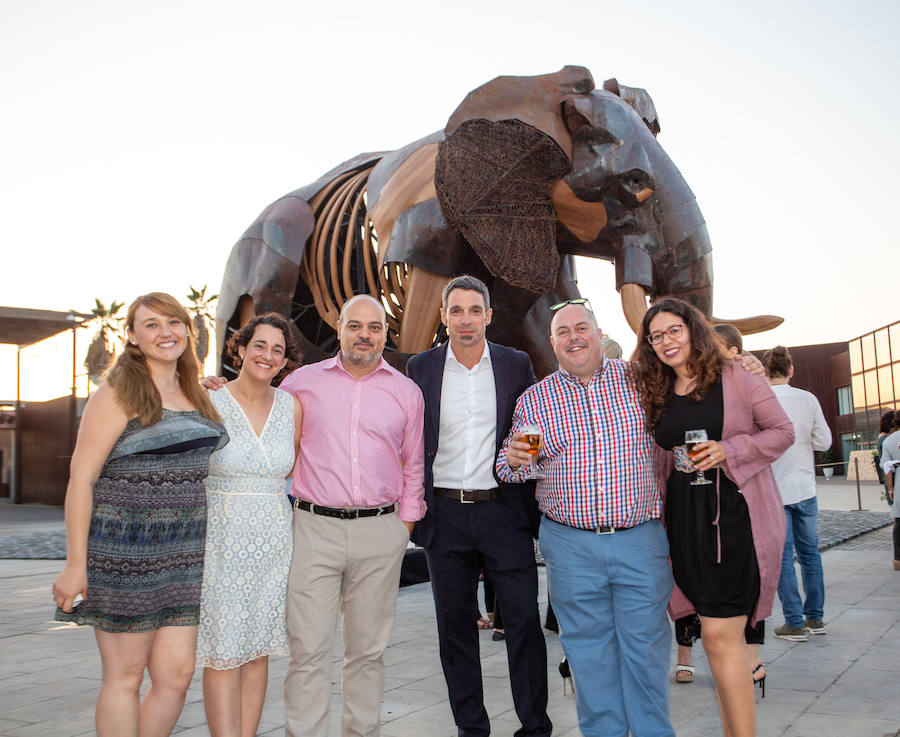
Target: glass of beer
x=691, y=439
x=531, y=434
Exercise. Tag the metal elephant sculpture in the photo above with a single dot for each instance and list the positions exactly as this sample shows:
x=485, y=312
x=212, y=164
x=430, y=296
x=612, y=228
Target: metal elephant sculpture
x=529, y=172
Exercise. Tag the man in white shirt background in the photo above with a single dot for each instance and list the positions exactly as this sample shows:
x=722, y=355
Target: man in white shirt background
x=795, y=475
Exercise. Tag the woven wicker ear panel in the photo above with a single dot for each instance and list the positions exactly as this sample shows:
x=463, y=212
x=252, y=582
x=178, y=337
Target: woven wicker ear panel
x=493, y=182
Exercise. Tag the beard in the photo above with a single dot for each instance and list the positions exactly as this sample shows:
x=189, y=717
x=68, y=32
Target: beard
x=361, y=359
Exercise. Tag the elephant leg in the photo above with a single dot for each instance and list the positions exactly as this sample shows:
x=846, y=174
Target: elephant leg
x=245, y=310
x=422, y=311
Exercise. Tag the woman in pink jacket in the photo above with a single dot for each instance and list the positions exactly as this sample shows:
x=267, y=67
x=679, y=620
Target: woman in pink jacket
x=726, y=524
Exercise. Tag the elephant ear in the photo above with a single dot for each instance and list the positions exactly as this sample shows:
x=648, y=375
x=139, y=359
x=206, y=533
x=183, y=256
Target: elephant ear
x=504, y=149
x=639, y=99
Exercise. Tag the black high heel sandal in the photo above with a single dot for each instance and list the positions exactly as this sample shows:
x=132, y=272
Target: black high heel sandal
x=566, y=672
x=761, y=681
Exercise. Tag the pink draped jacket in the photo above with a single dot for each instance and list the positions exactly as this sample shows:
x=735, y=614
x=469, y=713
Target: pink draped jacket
x=755, y=432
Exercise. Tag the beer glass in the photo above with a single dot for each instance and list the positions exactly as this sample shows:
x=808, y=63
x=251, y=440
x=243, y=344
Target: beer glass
x=531, y=434
x=691, y=439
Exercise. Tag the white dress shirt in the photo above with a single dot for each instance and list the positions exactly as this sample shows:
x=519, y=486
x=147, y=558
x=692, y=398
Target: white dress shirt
x=795, y=471
x=468, y=427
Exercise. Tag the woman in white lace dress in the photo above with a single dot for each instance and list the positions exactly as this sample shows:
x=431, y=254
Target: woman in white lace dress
x=248, y=537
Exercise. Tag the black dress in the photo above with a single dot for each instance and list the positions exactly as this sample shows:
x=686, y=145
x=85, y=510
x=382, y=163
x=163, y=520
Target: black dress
x=714, y=565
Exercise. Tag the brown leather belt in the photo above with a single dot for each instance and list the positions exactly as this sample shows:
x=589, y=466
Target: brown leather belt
x=468, y=496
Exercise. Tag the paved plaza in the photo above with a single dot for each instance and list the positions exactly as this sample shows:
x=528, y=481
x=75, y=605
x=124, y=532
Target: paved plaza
x=842, y=684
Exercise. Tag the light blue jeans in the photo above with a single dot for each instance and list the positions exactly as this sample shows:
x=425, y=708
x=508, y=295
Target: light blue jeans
x=610, y=593
x=801, y=535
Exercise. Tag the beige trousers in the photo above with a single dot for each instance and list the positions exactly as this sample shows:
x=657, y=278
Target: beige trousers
x=354, y=565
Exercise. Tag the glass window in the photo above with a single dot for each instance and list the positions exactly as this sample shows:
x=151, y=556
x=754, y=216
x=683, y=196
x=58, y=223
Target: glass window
x=895, y=341
x=882, y=347
x=868, y=351
x=844, y=400
x=870, y=378
x=859, y=392
x=885, y=390
x=896, y=384
x=856, y=355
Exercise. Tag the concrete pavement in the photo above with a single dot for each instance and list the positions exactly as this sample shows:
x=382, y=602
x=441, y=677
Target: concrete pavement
x=841, y=684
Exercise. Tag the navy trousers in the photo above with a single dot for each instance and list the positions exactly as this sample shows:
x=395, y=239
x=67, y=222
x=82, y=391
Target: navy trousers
x=467, y=538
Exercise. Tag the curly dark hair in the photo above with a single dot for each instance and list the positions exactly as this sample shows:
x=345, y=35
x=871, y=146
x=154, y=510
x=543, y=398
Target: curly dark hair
x=654, y=380
x=244, y=335
x=778, y=362
x=888, y=421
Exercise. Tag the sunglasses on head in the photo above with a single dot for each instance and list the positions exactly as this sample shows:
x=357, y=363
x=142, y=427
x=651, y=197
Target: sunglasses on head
x=580, y=301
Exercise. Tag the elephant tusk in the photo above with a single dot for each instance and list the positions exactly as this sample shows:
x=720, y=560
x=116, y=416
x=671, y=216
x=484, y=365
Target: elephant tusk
x=751, y=325
x=634, y=304
x=644, y=194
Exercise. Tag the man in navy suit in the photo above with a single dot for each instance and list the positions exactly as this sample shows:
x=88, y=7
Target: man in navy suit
x=474, y=521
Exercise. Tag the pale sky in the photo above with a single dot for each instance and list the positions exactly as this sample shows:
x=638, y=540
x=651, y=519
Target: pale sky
x=138, y=141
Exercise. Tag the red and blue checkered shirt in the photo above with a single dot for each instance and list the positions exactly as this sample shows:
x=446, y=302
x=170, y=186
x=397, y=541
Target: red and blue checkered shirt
x=596, y=455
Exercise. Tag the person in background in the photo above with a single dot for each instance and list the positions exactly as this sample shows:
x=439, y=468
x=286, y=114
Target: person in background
x=248, y=535
x=731, y=338
x=890, y=457
x=136, y=520
x=726, y=532
x=795, y=475
x=611, y=348
x=888, y=422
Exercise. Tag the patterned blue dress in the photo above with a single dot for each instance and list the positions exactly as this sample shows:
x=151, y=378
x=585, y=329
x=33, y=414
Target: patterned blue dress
x=248, y=540
x=148, y=526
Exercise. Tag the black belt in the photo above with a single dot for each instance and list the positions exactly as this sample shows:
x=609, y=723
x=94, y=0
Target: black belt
x=602, y=530
x=468, y=496
x=341, y=513
x=608, y=530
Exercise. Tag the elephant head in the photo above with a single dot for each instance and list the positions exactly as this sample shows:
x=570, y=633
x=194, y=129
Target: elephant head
x=532, y=168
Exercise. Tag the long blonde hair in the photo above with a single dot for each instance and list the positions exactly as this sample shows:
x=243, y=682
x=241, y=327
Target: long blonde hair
x=130, y=376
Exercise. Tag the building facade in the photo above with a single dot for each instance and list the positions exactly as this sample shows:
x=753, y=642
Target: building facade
x=855, y=382
x=874, y=362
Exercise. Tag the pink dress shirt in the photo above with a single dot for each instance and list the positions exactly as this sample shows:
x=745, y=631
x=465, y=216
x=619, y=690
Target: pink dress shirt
x=362, y=439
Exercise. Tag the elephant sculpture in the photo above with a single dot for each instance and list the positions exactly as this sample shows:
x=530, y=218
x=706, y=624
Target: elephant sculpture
x=528, y=173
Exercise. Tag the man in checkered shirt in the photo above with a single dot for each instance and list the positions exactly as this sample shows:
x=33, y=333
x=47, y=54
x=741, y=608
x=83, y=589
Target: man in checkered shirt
x=601, y=537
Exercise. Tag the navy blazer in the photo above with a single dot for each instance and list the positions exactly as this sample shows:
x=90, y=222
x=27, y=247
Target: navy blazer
x=513, y=374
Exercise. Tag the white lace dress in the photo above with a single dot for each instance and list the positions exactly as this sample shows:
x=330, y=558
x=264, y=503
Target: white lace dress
x=248, y=538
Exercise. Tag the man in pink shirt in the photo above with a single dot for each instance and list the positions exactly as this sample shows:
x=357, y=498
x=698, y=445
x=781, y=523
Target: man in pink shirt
x=357, y=490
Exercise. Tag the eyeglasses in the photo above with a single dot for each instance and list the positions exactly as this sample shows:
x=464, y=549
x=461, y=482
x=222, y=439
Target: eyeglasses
x=580, y=301
x=673, y=331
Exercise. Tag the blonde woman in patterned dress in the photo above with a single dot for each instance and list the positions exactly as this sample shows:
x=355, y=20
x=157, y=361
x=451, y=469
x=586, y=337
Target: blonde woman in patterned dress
x=136, y=520
x=248, y=541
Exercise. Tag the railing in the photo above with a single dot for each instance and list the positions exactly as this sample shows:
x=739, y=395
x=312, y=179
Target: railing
x=855, y=462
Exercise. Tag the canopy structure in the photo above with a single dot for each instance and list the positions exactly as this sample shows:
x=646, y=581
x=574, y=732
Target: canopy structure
x=22, y=327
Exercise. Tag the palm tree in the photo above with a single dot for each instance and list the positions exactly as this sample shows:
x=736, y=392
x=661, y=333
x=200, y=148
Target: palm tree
x=102, y=350
x=199, y=307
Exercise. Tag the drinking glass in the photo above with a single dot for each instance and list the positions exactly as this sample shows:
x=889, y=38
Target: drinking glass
x=531, y=434
x=691, y=439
